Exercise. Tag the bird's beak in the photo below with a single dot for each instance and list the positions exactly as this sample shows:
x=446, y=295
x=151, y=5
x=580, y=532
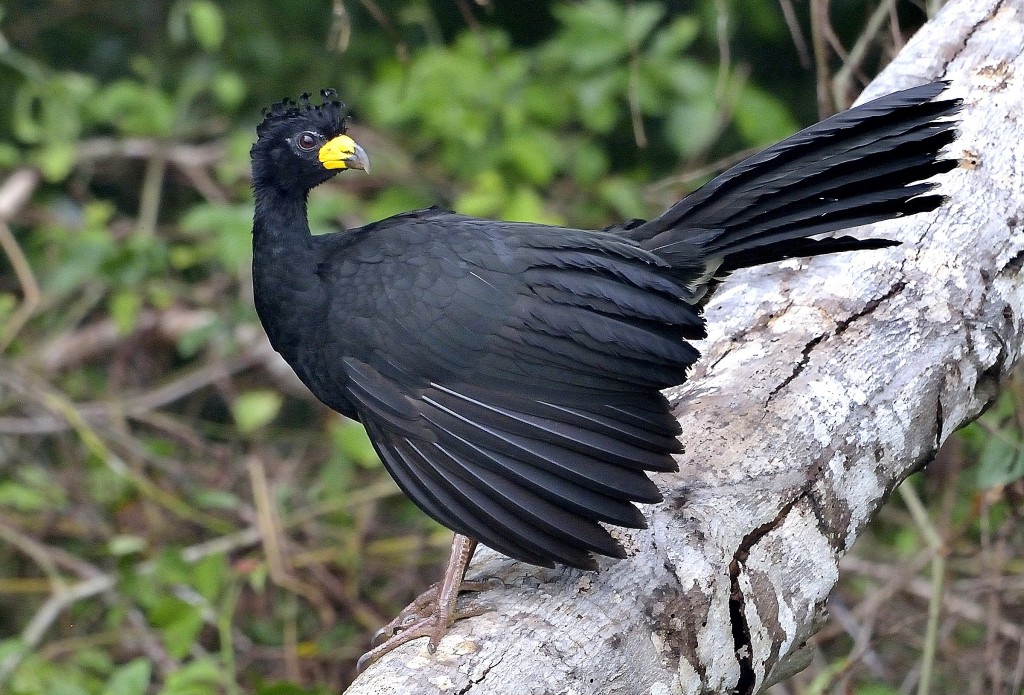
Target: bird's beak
x=342, y=152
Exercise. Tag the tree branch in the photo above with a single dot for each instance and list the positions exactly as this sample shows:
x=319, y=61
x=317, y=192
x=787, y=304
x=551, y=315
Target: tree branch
x=824, y=384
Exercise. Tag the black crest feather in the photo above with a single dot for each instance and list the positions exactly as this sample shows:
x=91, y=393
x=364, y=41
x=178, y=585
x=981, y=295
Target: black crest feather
x=330, y=114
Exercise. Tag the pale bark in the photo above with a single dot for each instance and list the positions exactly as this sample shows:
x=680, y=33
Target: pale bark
x=824, y=383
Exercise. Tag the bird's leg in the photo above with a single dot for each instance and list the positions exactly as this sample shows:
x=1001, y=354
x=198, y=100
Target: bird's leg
x=432, y=612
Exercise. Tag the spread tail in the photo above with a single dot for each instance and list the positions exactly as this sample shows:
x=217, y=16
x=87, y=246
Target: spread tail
x=861, y=166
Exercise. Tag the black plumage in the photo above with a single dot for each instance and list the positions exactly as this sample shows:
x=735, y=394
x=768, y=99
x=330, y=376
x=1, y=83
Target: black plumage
x=509, y=374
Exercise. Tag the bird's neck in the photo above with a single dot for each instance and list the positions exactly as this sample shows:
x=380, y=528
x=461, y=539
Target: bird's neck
x=286, y=286
x=280, y=228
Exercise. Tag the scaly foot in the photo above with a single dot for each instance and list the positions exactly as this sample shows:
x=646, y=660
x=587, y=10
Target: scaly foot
x=424, y=606
x=432, y=612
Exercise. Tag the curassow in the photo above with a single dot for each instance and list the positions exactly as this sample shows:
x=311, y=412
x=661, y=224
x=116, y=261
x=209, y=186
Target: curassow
x=509, y=374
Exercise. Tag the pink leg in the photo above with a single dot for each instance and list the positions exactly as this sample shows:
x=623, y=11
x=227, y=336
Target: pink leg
x=433, y=611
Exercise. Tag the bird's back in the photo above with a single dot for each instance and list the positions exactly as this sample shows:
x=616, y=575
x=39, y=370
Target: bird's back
x=434, y=296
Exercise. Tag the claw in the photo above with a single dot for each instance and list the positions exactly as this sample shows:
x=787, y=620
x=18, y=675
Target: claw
x=432, y=612
x=364, y=661
x=382, y=635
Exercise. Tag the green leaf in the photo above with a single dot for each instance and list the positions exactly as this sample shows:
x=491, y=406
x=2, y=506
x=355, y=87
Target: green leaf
x=195, y=339
x=10, y=157
x=487, y=196
x=533, y=155
x=254, y=409
x=178, y=623
x=674, y=38
x=216, y=499
x=588, y=162
x=35, y=490
x=171, y=566
x=393, y=200
x=640, y=22
x=226, y=228
x=126, y=544
x=691, y=125
x=21, y=498
x=55, y=160
x=525, y=205
x=623, y=196
x=875, y=689
x=208, y=575
x=351, y=442
x=48, y=111
x=207, y=24
x=598, y=99
x=229, y=88
x=133, y=108
x=201, y=677
x=1001, y=461
x=124, y=309
x=131, y=679
x=762, y=119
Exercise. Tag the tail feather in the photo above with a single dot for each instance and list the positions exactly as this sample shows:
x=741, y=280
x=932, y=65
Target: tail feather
x=798, y=248
x=829, y=215
x=861, y=166
x=889, y=172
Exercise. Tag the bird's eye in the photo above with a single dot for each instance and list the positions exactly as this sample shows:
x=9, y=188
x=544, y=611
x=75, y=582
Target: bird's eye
x=306, y=141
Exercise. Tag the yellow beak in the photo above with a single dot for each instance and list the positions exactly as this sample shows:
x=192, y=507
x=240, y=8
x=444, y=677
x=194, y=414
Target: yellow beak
x=342, y=152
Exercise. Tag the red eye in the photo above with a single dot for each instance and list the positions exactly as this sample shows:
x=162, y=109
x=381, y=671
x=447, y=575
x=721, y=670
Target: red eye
x=306, y=141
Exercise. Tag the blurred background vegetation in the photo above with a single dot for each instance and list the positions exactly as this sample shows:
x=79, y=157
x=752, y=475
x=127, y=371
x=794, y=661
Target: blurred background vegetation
x=178, y=516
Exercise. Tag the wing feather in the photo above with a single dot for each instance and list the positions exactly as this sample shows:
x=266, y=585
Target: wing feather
x=530, y=479
x=509, y=376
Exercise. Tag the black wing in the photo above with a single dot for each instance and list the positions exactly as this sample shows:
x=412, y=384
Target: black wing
x=509, y=376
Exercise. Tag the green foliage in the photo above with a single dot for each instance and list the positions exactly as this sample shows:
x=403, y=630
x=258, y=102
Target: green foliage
x=485, y=110
x=998, y=442
x=256, y=408
x=200, y=677
x=131, y=679
x=875, y=689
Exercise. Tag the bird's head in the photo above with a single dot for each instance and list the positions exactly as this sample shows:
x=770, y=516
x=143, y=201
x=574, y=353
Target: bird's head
x=301, y=145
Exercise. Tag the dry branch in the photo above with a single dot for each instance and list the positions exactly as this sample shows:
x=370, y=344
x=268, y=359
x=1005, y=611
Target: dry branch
x=824, y=384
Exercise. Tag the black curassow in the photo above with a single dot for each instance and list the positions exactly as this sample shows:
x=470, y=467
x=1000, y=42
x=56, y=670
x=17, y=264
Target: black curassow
x=509, y=374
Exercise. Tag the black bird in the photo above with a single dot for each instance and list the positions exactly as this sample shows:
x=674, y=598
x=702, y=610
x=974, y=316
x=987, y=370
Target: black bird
x=509, y=374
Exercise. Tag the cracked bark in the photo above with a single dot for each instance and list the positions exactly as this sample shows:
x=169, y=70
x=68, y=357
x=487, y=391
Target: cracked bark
x=824, y=383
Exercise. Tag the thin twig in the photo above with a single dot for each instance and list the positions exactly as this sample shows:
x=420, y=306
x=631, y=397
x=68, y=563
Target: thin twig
x=102, y=336
x=46, y=615
x=271, y=536
x=796, y=33
x=15, y=192
x=923, y=589
x=894, y=29
x=152, y=192
x=819, y=41
x=94, y=443
x=145, y=148
x=691, y=175
x=38, y=552
x=875, y=24
x=340, y=32
x=935, y=542
x=633, y=92
x=724, y=53
x=1017, y=679
x=401, y=49
x=132, y=406
x=201, y=180
x=64, y=595
x=31, y=296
